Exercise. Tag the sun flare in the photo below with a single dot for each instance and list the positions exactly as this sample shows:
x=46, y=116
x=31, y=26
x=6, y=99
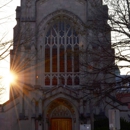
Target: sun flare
x=6, y=80
x=10, y=78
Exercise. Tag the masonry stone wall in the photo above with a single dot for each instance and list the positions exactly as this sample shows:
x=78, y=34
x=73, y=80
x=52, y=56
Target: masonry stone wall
x=75, y=6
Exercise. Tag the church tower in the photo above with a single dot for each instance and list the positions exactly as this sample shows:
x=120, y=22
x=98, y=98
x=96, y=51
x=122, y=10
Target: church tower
x=54, y=43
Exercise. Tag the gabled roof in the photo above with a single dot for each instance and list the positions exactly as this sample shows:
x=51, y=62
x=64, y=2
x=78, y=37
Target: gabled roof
x=62, y=90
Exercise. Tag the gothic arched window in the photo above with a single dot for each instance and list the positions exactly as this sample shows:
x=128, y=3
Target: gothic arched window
x=69, y=81
x=61, y=41
x=62, y=59
x=76, y=56
x=47, y=81
x=54, y=81
x=76, y=80
x=47, y=59
x=54, y=58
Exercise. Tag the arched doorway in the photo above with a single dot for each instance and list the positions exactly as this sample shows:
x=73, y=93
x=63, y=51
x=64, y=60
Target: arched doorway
x=61, y=118
x=60, y=115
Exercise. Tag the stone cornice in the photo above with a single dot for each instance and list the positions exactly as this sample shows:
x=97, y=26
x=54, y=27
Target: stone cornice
x=80, y=1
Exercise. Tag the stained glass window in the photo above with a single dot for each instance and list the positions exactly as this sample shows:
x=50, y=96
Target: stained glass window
x=61, y=41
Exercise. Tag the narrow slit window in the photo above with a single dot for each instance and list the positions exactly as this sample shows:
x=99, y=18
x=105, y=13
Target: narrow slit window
x=47, y=59
x=54, y=59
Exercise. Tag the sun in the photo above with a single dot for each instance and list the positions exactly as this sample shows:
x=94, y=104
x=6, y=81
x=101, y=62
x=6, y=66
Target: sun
x=10, y=78
x=7, y=79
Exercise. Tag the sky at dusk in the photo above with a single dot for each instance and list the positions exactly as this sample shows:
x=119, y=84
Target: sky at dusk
x=7, y=22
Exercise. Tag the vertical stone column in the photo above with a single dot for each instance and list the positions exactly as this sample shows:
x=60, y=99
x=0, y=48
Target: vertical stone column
x=32, y=124
x=40, y=107
x=21, y=81
x=85, y=108
x=39, y=126
x=33, y=108
x=81, y=106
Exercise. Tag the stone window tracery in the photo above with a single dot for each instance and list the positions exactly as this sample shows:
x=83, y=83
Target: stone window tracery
x=61, y=111
x=61, y=41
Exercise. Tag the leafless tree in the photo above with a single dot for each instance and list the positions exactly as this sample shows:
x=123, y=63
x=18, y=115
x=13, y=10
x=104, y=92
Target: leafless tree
x=5, y=42
x=101, y=59
x=99, y=62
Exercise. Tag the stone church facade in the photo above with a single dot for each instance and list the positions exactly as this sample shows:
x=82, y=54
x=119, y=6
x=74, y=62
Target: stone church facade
x=48, y=39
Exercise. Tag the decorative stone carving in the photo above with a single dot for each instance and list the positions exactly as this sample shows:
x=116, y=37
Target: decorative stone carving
x=28, y=8
x=61, y=111
x=28, y=12
x=28, y=3
x=61, y=14
x=59, y=102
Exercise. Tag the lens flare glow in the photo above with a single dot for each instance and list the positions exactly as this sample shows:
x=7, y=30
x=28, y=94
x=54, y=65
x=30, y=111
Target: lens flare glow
x=9, y=78
x=6, y=80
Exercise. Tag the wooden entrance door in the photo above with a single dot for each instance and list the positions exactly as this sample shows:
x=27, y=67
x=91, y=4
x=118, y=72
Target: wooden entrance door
x=61, y=124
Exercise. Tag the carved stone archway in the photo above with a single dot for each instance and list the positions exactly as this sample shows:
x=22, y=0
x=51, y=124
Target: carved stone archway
x=60, y=108
x=61, y=14
x=60, y=111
